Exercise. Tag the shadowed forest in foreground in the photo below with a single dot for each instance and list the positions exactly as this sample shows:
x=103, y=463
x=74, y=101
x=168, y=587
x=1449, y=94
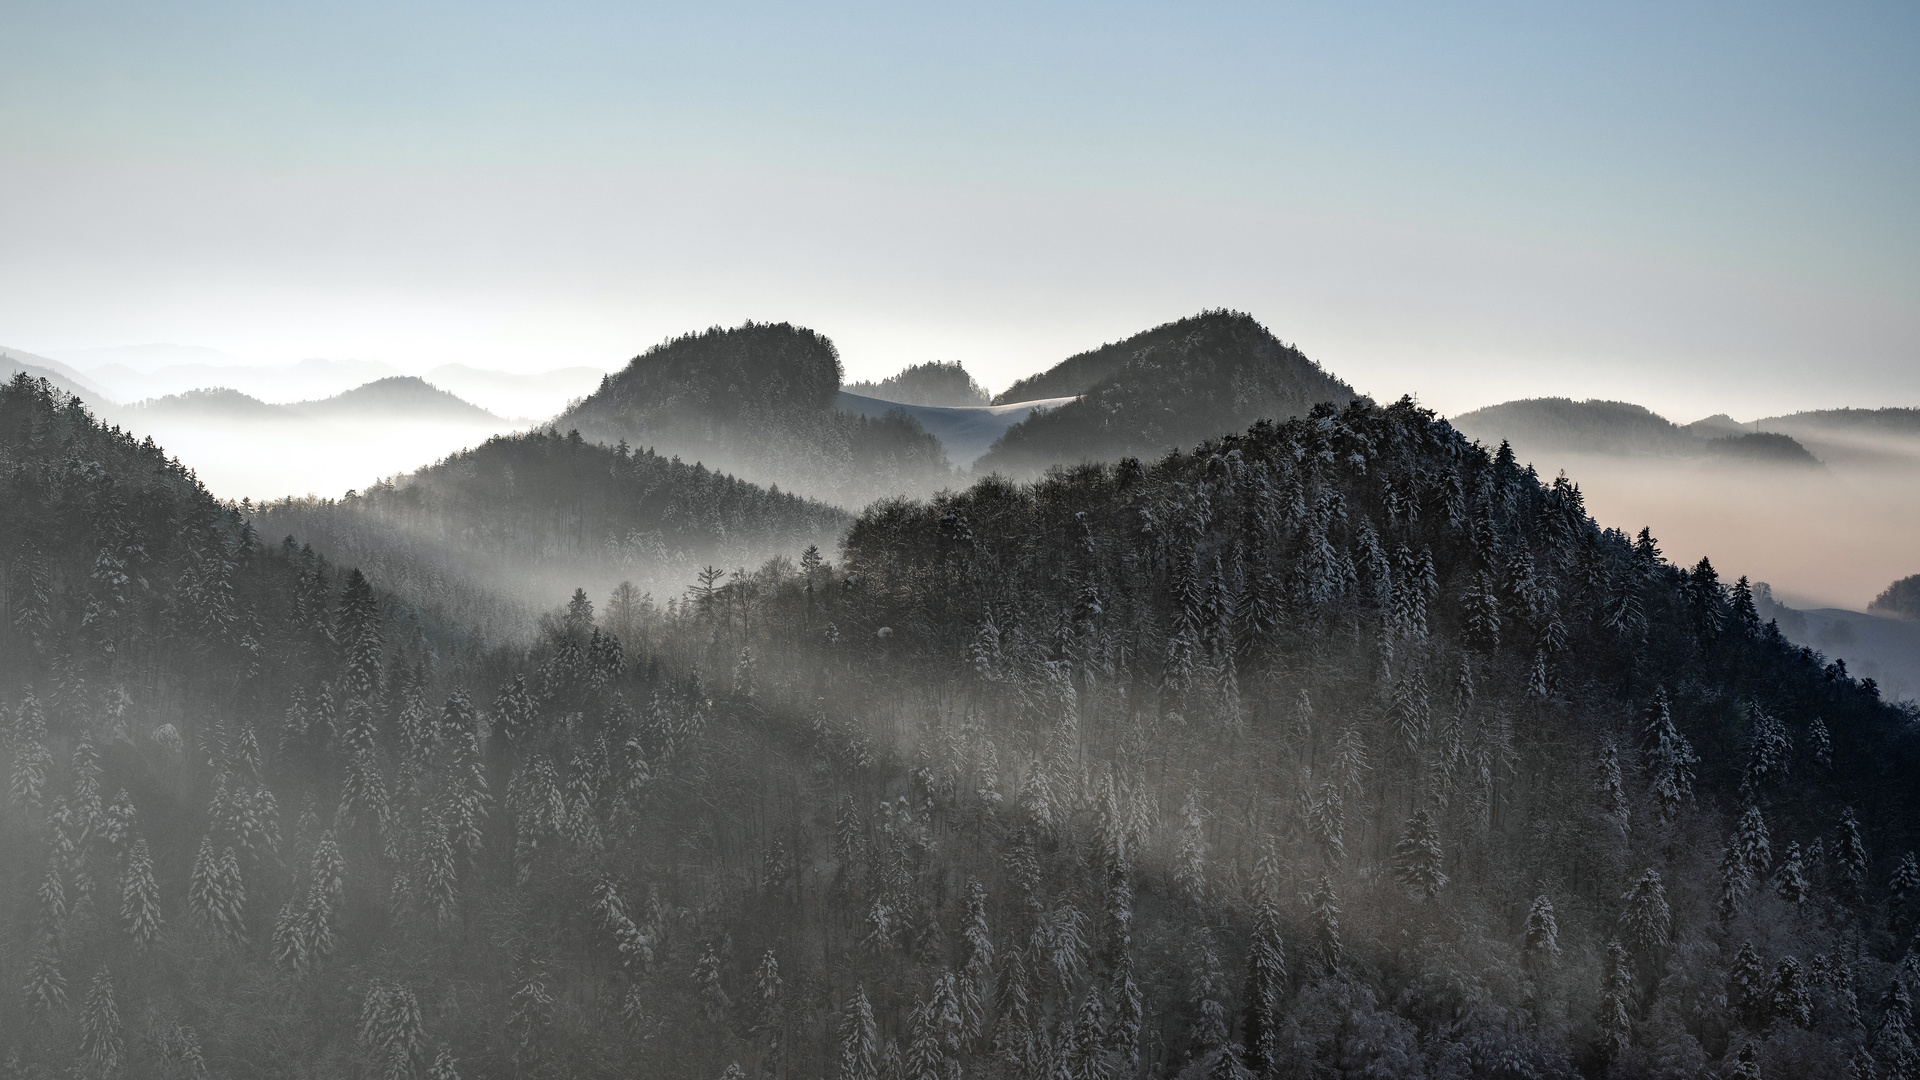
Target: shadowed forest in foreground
x=1338, y=747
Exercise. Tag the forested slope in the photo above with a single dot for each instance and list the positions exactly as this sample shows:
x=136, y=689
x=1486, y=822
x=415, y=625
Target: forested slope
x=757, y=401
x=1167, y=387
x=1340, y=748
x=493, y=535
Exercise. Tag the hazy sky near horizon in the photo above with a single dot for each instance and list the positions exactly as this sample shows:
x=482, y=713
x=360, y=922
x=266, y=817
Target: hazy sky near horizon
x=1697, y=207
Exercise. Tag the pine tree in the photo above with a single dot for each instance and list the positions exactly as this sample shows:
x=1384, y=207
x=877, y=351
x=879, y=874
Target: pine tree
x=1418, y=856
x=1266, y=985
x=1790, y=881
x=1670, y=758
x=1190, y=859
x=1751, y=845
x=216, y=894
x=1324, y=909
x=102, y=1039
x=1609, y=791
x=1768, y=748
x=45, y=988
x=1749, y=990
x=713, y=997
x=1647, y=920
x=444, y=1065
x=976, y=965
x=391, y=1031
x=529, y=1015
x=859, y=1040
x=1542, y=937
x=1616, y=991
x=1850, y=854
x=1902, y=885
x=140, y=898
x=924, y=1058
x=1791, y=999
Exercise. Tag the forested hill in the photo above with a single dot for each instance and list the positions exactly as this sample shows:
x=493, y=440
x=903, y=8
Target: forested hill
x=757, y=401
x=1624, y=429
x=492, y=535
x=1338, y=748
x=1170, y=386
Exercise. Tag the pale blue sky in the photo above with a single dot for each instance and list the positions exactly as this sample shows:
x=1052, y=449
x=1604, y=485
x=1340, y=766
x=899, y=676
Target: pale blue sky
x=1701, y=208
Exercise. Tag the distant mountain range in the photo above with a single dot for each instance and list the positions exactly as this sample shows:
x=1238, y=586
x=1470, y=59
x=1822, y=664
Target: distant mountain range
x=1621, y=428
x=147, y=372
x=400, y=396
x=13, y=361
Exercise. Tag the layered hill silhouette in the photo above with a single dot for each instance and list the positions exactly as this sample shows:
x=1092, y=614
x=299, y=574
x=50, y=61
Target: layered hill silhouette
x=396, y=398
x=1167, y=387
x=1334, y=747
x=485, y=537
x=939, y=384
x=759, y=401
x=1621, y=428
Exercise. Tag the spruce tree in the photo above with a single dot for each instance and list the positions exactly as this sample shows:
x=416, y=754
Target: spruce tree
x=140, y=898
x=1266, y=985
x=1418, y=856
x=859, y=1040
x=102, y=1037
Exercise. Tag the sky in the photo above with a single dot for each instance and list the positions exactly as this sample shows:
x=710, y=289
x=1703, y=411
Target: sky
x=1698, y=207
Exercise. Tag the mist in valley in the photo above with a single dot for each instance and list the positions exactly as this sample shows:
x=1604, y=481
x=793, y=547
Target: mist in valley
x=959, y=543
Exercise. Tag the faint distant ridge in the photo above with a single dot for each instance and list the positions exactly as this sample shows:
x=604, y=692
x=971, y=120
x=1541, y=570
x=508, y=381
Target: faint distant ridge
x=56, y=373
x=215, y=403
x=939, y=383
x=758, y=401
x=1172, y=386
x=1623, y=429
x=1591, y=426
x=400, y=396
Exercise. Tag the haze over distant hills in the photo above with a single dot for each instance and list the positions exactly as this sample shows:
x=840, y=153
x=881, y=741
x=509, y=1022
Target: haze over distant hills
x=244, y=447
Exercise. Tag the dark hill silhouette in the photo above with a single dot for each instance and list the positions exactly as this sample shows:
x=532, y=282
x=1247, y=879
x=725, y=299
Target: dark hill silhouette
x=938, y=384
x=1762, y=448
x=758, y=401
x=1624, y=429
x=399, y=396
x=1592, y=426
x=527, y=516
x=1169, y=386
x=214, y=404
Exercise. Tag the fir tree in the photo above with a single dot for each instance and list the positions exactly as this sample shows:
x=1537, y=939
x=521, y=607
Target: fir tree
x=1616, y=992
x=102, y=1038
x=1417, y=856
x=391, y=1031
x=1749, y=990
x=45, y=988
x=140, y=898
x=1791, y=999
x=1646, y=919
x=859, y=1040
x=1266, y=985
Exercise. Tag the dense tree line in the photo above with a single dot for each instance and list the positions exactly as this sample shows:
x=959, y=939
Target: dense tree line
x=1339, y=748
x=937, y=382
x=490, y=535
x=1168, y=387
x=757, y=400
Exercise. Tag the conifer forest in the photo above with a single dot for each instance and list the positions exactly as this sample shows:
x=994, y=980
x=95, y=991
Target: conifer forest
x=1330, y=744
